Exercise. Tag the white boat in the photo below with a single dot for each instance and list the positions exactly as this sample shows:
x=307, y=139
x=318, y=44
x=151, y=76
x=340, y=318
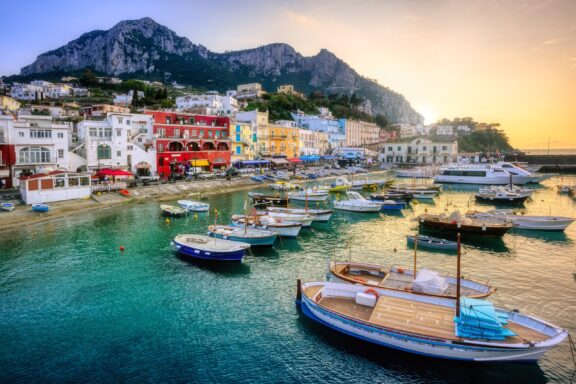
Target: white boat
x=517, y=171
x=488, y=174
x=309, y=194
x=7, y=207
x=171, y=210
x=424, y=195
x=252, y=236
x=196, y=206
x=540, y=223
x=322, y=215
x=464, y=329
x=282, y=228
x=302, y=218
x=510, y=189
x=282, y=186
x=357, y=203
x=209, y=248
x=501, y=196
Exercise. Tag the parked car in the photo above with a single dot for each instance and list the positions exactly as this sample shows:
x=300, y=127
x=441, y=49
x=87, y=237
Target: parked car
x=206, y=175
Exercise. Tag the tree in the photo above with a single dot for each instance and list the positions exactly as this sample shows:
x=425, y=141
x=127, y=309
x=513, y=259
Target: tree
x=88, y=78
x=135, y=100
x=381, y=120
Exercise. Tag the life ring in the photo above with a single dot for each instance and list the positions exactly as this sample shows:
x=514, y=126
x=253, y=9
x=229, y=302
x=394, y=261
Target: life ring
x=373, y=292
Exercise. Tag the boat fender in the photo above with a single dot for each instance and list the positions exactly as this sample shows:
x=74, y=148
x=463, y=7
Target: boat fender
x=400, y=270
x=373, y=292
x=122, y=248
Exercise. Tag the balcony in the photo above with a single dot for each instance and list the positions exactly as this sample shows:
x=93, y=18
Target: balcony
x=50, y=160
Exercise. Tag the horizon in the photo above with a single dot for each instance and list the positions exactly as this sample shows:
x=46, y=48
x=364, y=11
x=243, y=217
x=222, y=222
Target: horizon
x=518, y=68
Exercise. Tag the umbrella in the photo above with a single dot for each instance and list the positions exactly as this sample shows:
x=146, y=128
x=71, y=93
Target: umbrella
x=113, y=172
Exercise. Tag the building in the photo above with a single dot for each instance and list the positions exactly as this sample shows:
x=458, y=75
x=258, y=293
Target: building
x=121, y=140
x=249, y=91
x=280, y=139
x=361, y=133
x=468, y=157
x=244, y=138
x=288, y=89
x=7, y=155
x=8, y=104
x=406, y=130
x=313, y=143
x=126, y=99
x=386, y=136
x=26, y=92
x=54, y=186
x=421, y=151
x=184, y=139
x=101, y=110
x=210, y=103
x=34, y=145
x=324, y=122
x=444, y=130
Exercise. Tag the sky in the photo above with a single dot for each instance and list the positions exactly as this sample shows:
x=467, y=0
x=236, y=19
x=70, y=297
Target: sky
x=506, y=61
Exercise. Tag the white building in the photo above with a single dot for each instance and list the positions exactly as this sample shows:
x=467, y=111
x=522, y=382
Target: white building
x=463, y=129
x=312, y=142
x=40, y=146
x=324, y=122
x=209, y=103
x=444, y=130
x=57, y=91
x=121, y=140
x=26, y=92
x=249, y=91
x=126, y=99
x=360, y=133
x=422, y=151
x=55, y=186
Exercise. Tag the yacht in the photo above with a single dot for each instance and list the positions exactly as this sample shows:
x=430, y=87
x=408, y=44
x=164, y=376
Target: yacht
x=517, y=171
x=489, y=174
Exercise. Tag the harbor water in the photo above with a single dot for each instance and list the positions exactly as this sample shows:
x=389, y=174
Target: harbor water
x=74, y=308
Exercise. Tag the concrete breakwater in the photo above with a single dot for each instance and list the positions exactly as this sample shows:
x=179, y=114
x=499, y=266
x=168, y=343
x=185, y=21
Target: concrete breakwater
x=549, y=163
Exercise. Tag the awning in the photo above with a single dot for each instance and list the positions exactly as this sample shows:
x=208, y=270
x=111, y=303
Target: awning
x=4, y=173
x=199, y=163
x=252, y=162
x=295, y=160
x=279, y=161
x=219, y=160
x=113, y=172
x=328, y=157
x=309, y=158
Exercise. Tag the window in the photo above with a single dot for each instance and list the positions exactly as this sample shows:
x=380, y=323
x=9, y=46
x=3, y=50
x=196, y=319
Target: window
x=444, y=147
x=118, y=132
x=238, y=137
x=21, y=134
x=40, y=133
x=161, y=132
x=160, y=147
x=34, y=155
x=128, y=122
x=176, y=133
x=424, y=148
x=168, y=121
x=389, y=149
x=238, y=129
x=399, y=148
x=217, y=134
x=60, y=153
x=118, y=153
x=210, y=134
x=238, y=150
x=60, y=135
x=130, y=147
x=191, y=120
x=120, y=119
x=104, y=152
x=108, y=132
x=223, y=134
x=93, y=132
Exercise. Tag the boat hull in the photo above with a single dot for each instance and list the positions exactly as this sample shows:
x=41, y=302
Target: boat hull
x=423, y=243
x=393, y=207
x=357, y=208
x=465, y=230
x=503, y=180
x=501, y=200
x=309, y=198
x=40, y=208
x=8, y=207
x=267, y=241
x=284, y=231
x=200, y=254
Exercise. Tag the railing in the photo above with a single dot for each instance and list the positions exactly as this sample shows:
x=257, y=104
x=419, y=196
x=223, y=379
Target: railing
x=51, y=160
x=107, y=187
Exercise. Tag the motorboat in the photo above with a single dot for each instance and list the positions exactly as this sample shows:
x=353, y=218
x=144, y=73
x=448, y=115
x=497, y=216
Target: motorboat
x=357, y=203
x=195, y=206
x=320, y=215
x=464, y=329
x=539, y=223
x=426, y=282
x=430, y=242
x=252, y=236
x=500, y=196
x=392, y=205
x=489, y=174
x=517, y=171
x=302, y=218
x=266, y=200
x=171, y=210
x=40, y=208
x=467, y=226
x=510, y=188
x=396, y=196
x=282, y=228
x=283, y=186
x=209, y=248
x=309, y=194
x=341, y=184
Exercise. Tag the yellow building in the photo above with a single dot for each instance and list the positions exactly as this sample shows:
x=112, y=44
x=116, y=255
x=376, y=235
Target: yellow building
x=289, y=90
x=243, y=138
x=9, y=104
x=278, y=140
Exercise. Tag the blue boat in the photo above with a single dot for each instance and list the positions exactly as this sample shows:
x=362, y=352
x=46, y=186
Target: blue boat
x=254, y=237
x=432, y=242
x=209, y=248
x=392, y=205
x=40, y=207
x=257, y=178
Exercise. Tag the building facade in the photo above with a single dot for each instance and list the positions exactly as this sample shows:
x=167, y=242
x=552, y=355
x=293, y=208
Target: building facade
x=313, y=143
x=324, y=122
x=361, y=133
x=421, y=151
x=8, y=104
x=244, y=139
x=209, y=103
x=199, y=141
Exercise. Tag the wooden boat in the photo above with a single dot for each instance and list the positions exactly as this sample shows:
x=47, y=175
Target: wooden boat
x=7, y=207
x=310, y=195
x=195, y=206
x=282, y=228
x=266, y=200
x=539, y=223
x=500, y=196
x=171, y=210
x=402, y=279
x=321, y=215
x=209, y=248
x=426, y=325
x=391, y=205
x=254, y=237
x=468, y=227
x=124, y=192
x=40, y=208
x=396, y=196
x=431, y=242
x=357, y=203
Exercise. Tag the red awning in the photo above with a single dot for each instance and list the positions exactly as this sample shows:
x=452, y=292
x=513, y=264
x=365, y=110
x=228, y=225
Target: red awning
x=295, y=160
x=113, y=172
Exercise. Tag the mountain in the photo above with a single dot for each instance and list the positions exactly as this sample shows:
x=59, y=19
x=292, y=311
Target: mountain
x=145, y=49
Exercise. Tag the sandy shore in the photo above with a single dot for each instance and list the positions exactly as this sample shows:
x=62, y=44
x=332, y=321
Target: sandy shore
x=24, y=216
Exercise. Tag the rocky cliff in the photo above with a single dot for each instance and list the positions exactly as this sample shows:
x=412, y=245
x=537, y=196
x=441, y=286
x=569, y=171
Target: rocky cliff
x=147, y=49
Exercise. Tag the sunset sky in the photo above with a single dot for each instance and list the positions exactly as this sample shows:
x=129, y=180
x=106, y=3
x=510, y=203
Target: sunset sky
x=509, y=61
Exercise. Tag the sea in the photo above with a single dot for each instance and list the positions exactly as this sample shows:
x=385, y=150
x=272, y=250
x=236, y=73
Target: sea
x=74, y=308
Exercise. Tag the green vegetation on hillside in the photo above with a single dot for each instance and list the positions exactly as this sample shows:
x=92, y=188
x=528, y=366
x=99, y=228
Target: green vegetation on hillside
x=486, y=139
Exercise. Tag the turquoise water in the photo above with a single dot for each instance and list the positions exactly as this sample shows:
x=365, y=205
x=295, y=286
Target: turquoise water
x=76, y=309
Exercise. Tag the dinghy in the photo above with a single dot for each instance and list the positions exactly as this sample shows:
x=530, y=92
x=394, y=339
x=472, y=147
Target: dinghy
x=392, y=205
x=254, y=237
x=7, y=207
x=171, y=210
x=282, y=228
x=302, y=218
x=195, y=206
x=539, y=223
x=357, y=203
x=321, y=215
x=309, y=195
x=431, y=242
x=467, y=226
x=40, y=208
x=209, y=248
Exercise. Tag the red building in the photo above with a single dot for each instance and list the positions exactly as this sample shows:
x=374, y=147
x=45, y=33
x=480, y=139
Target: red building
x=184, y=139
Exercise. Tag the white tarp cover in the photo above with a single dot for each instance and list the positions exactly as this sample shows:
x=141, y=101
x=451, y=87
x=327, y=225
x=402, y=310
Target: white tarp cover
x=429, y=282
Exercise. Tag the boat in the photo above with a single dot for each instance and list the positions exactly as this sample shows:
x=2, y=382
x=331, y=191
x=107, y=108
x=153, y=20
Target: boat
x=266, y=200
x=539, y=223
x=196, y=206
x=467, y=226
x=40, y=208
x=252, y=236
x=364, y=184
x=340, y=185
x=396, y=196
x=319, y=215
x=257, y=179
x=416, y=173
x=500, y=196
x=518, y=172
x=407, y=187
x=124, y=192
x=309, y=194
x=427, y=282
x=432, y=326
x=392, y=205
x=283, y=186
x=171, y=210
x=7, y=207
x=489, y=174
x=357, y=203
x=431, y=242
x=424, y=194
x=563, y=189
x=282, y=228
x=209, y=248
x=510, y=189
x=302, y=218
